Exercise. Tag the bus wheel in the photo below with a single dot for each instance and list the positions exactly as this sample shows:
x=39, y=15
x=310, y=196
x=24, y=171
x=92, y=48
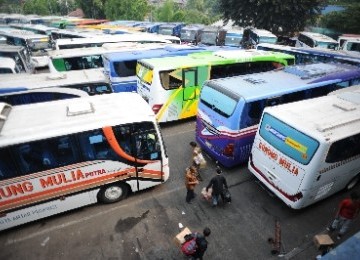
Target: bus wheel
x=113, y=193
x=353, y=182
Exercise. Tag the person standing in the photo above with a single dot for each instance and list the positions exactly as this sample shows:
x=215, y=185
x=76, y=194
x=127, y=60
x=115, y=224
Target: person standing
x=190, y=183
x=198, y=159
x=217, y=183
x=347, y=212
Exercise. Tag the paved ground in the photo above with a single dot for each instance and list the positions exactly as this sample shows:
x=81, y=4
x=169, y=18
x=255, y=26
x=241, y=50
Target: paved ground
x=144, y=225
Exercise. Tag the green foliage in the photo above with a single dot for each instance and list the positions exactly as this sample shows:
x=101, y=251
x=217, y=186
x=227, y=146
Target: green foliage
x=92, y=8
x=166, y=12
x=126, y=9
x=195, y=11
x=278, y=16
x=347, y=21
x=39, y=7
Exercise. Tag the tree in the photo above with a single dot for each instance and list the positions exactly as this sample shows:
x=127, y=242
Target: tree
x=278, y=16
x=347, y=21
x=92, y=8
x=126, y=9
x=39, y=7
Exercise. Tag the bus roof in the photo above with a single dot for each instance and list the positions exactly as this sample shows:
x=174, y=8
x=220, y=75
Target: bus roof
x=10, y=48
x=263, y=32
x=68, y=116
x=316, y=51
x=106, y=48
x=172, y=50
x=217, y=57
x=44, y=80
x=328, y=118
x=27, y=35
x=286, y=80
x=319, y=37
x=132, y=37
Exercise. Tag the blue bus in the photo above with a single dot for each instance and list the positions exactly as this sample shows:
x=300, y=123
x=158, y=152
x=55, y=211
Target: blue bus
x=171, y=29
x=229, y=109
x=121, y=66
x=304, y=55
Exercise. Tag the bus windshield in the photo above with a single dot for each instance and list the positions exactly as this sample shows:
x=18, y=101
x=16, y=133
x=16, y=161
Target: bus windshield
x=288, y=140
x=38, y=44
x=327, y=45
x=224, y=104
x=208, y=37
x=264, y=39
x=233, y=39
x=188, y=34
x=166, y=31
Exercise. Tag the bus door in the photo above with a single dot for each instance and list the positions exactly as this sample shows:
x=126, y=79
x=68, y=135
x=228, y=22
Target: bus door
x=147, y=153
x=192, y=79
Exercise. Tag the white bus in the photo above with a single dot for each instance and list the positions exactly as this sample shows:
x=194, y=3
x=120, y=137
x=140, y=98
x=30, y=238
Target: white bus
x=92, y=82
x=79, y=151
x=20, y=55
x=306, y=151
x=8, y=66
x=36, y=45
x=100, y=40
x=312, y=39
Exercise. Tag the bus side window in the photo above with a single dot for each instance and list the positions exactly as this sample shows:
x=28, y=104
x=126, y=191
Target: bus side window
x=7, y=165
x=344, y=149
x=64, y=151
x=252, y=113
x=292, y=97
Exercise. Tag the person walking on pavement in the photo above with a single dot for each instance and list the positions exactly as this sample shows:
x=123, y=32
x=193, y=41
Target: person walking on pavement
x=190, y=183
x=201, y=243
x=217, y=183
x=347, y=212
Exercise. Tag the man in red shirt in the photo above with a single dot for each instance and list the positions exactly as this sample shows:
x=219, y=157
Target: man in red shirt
x=348, y=210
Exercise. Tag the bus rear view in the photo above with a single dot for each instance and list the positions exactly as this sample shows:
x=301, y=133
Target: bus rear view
x=306, y=151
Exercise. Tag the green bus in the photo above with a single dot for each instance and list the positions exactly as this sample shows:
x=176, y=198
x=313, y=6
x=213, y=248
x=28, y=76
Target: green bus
x=171, y=85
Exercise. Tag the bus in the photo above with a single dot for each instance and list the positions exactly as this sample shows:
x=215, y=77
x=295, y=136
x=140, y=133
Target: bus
x=234, y=37
x=92, y=82
x=253, y=36
x=35, y=44
x=35, y=28
x=305, y=55
x=213, y=35
x=191, y=33
x=161, y=80
x=229, y=109
x=8, y=66
x=121, y=66
x=19, y=55
x=306, y=151
x=100, y=40
x=312, y=39
x=89, y=58
x=79, y=151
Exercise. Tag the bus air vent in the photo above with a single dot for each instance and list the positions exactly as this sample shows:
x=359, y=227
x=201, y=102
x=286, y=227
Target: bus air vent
x=4, y=112
x=255, y=81
x=312, y=70
x=55, y=76
x=80, y=108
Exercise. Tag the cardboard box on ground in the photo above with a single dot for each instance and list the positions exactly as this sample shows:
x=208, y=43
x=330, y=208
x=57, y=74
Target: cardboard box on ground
x=179, y=238
x=323, y=240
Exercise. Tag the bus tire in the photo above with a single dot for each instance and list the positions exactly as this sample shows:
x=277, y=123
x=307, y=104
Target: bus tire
x=113, y=192
x=353, y=182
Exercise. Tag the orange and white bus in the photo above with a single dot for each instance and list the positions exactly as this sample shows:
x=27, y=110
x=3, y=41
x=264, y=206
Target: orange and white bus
x=79, y=151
